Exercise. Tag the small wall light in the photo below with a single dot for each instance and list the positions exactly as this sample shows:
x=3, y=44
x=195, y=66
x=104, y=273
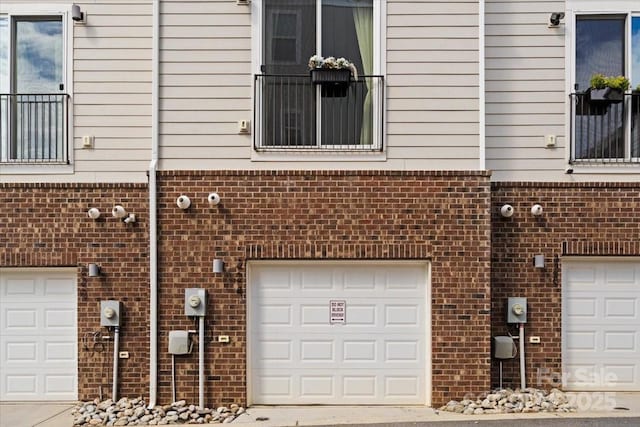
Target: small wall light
x=218, y=266
x=94, y=270
x=118, y=212
x=536, y=210
x=183, y=202
x=76, y=14
x=213, y=198
x=506, y=211
x=93, y=213
x=555, y=18
x=538, y=261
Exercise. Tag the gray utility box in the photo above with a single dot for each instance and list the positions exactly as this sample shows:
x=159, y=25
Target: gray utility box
x=516, y=310
x=110, y=313
x=178, y=342
x=195, y=302
x=503, y=348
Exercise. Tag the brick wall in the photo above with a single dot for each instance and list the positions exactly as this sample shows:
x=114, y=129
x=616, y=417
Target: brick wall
x=601, y=219
x=46, y=225
x=442, y=216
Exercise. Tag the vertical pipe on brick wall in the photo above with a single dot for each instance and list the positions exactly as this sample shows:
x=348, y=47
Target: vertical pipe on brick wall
x=153, y=219
x=116, y=350
x=481, y=87
x=201, y=363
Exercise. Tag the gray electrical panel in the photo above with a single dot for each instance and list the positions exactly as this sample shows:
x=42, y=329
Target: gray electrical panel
x=178, y=342
x=503, y=348
x=110, y=313
x=195, y=302
x=516, y=310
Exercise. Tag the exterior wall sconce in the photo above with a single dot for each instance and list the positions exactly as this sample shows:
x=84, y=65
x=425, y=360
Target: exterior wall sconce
x=94, y=270
x=538, y=261
x=77, y=15
x=218, y=266
x=93, y=213
x=536, y=210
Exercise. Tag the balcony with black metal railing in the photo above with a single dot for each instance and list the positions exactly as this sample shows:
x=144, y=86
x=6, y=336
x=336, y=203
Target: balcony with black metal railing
x=296, y=113
x=34, y=128
x=605, y=132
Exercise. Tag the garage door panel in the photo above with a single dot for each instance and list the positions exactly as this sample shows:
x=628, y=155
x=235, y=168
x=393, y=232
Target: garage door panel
x=377, y=355
x=601, y=331
x=626, y=308
x=38, y=336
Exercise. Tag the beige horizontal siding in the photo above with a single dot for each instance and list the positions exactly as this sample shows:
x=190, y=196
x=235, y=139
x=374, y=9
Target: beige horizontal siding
x=525, y=90
x=432, y=83
x=431, y=77
x=111, y=98
x=205, y=83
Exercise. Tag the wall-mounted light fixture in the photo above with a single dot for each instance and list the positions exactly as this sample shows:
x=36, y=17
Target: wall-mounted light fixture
x=119, y=212
x=213, y=198
x=93, y=213
x=218, y=265
x=507, y=211
x=77, y=14
x=538, y=261
x=183, y=202
x=94, y=270
x=536, y=210
x=555, y=18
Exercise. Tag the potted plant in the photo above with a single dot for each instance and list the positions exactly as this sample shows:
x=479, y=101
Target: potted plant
x=607, y=89
x=333, y=74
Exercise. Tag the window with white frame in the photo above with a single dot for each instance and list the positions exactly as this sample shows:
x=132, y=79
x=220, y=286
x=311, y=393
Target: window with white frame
x=606, y=128
x=325, y=116
x=33, y=98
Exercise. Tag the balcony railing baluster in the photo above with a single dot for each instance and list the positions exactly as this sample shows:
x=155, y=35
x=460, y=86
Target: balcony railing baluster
x=601, y=132
x=34, y=128
x=286, y=108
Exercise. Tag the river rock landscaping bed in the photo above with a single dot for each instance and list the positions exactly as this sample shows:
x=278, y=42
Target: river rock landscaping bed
x=506, y=401
x=134, y=412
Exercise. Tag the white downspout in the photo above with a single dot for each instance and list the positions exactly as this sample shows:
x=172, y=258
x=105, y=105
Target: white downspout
x=482, y=146
x=153, y=218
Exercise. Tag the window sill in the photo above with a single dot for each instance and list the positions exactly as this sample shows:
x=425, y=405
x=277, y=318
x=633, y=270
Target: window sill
x=612, y=169
x=35, y=169
x=318, y=156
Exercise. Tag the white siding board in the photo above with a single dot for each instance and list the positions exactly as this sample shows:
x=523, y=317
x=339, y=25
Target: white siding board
x=426, y=116
x=112, y=76
x=450, y=9
x=110, y=54
x=411, y=20
x=173, y=34
x=220, y=92
x=113, y=43
x=205, y=55
x=525, y=130
x=431, y=92
x=203, y=80
x=237, y=104
x=433, y=44
x=112, y=65
x=113, y=87
x=430, y=57
x=431, y=32
x=523, y=142
x=402, y=68
x=196, y=19
x=396, y=105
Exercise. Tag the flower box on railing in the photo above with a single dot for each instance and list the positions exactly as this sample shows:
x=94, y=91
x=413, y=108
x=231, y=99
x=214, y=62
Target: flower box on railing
x=330, y=76
x=334, y=82
x=606, y=95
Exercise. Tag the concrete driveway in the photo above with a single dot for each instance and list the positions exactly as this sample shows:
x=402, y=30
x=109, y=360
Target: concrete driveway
x=41, y=414
x=58, y=414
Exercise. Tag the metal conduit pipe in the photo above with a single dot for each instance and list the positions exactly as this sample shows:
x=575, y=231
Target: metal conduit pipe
x=116, y=350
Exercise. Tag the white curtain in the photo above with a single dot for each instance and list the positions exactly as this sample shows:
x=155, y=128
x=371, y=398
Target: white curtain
x=363, y=19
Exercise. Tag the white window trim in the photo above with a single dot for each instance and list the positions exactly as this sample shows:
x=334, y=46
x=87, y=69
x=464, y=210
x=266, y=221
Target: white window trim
x=379, y=68
x=593, y=7
x=64, y=11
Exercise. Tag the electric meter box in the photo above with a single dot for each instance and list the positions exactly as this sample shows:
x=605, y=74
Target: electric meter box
x=178, y=342
x=195, y=302
x=503, y=347
x=516, y=310
x=110, y=313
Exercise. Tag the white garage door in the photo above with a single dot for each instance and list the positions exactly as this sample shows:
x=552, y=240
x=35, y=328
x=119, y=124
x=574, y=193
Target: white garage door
x=370, y=348
x=601, y=325
x=38, y=335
